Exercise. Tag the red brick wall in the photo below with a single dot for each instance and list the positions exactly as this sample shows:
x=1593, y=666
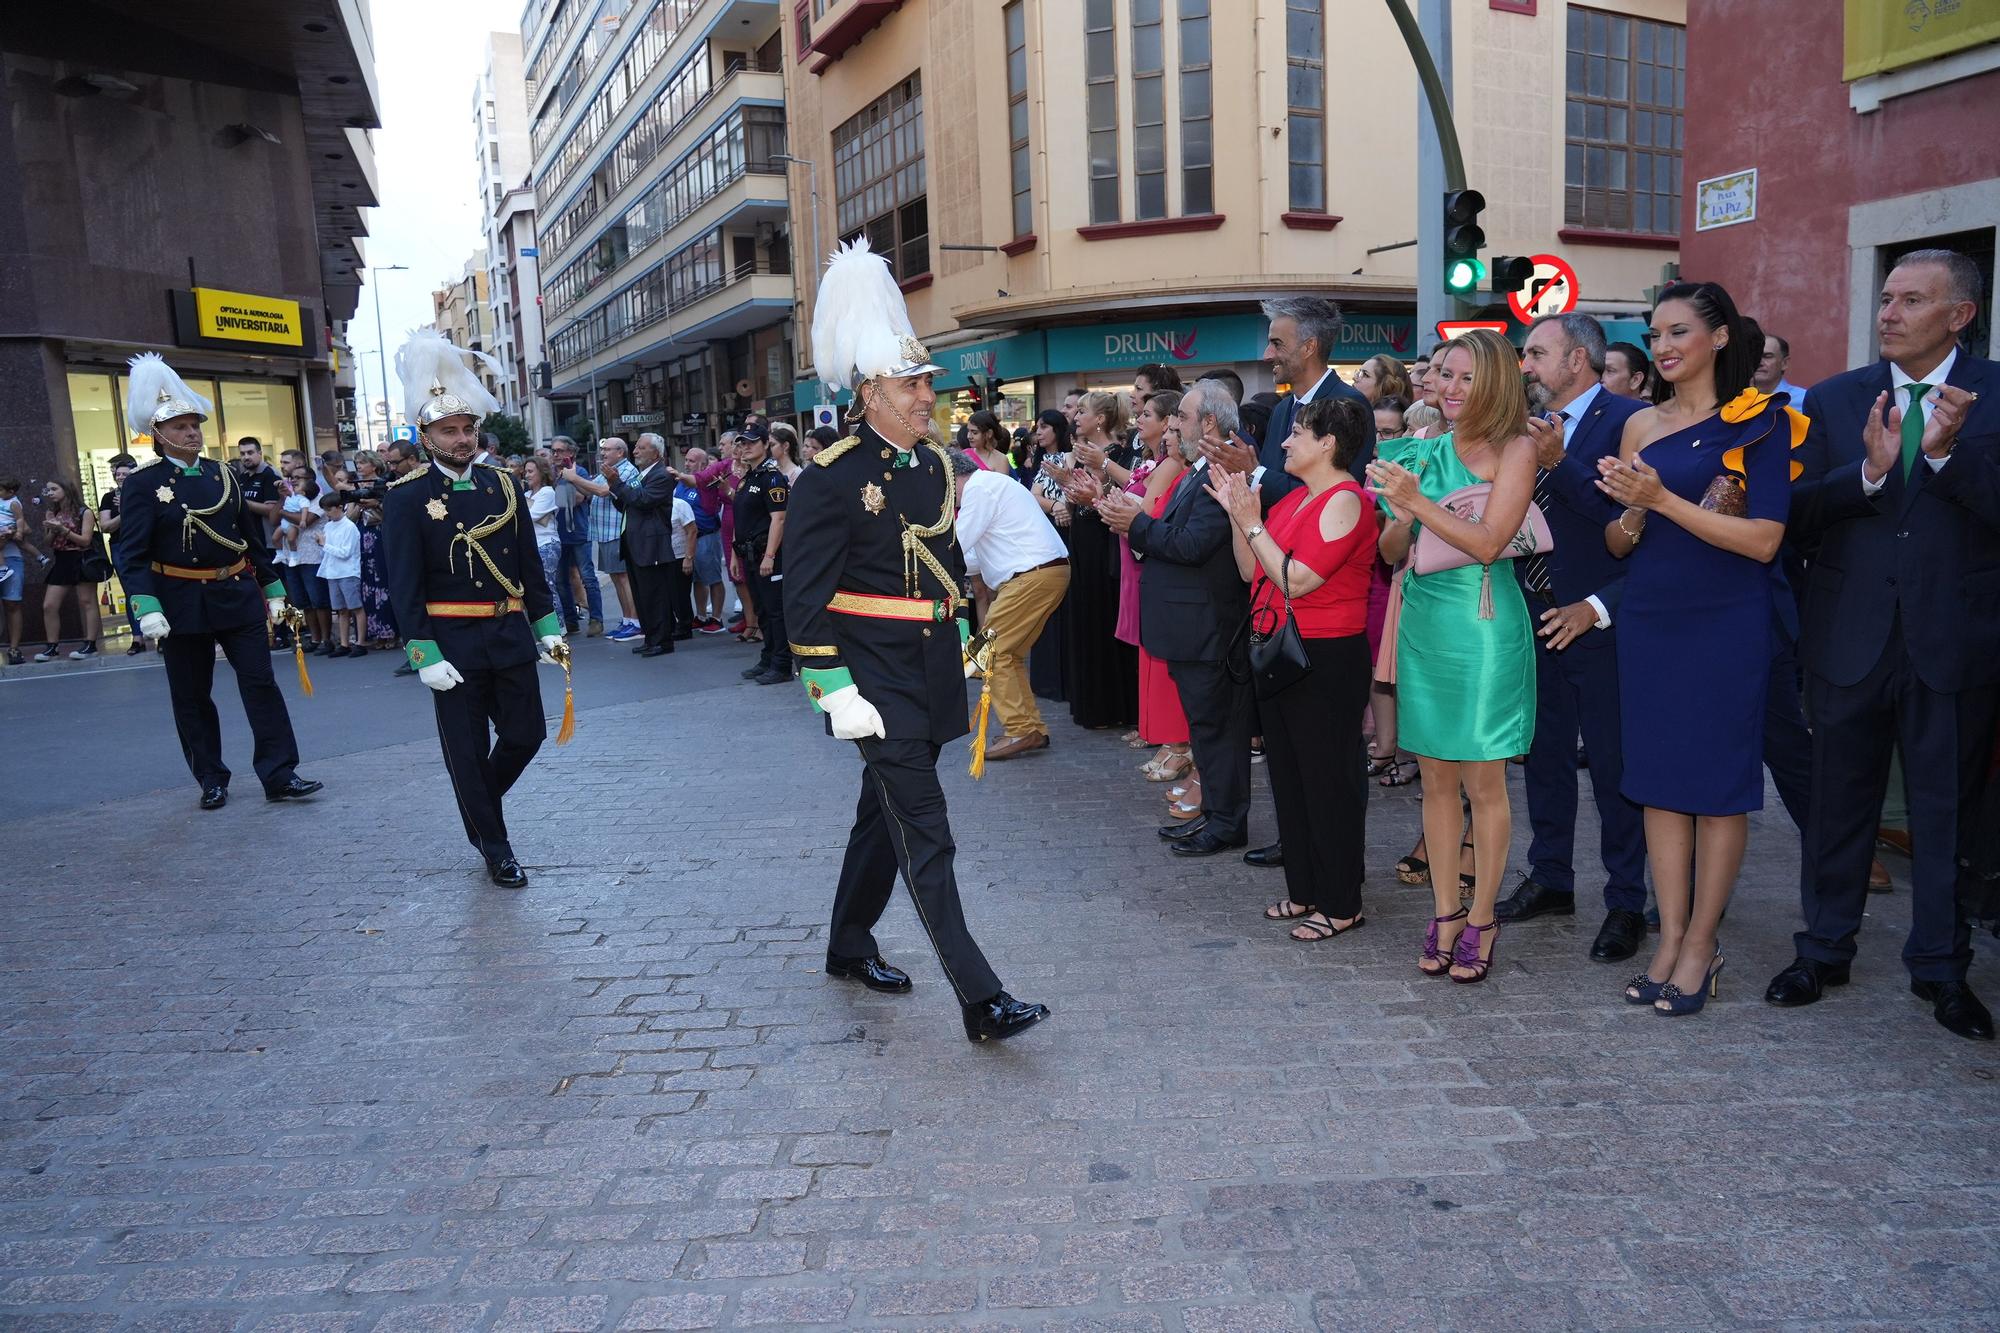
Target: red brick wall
x=1764, y=91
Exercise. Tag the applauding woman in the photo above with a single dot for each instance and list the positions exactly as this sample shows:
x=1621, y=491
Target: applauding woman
x=1705, y=478
x=1314, y=551
x=1465, y=667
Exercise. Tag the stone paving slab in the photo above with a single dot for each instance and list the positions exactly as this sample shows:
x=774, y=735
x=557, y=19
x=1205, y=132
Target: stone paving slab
x=299, y=1069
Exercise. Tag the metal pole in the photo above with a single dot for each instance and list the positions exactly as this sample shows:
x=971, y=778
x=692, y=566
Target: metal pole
x=1439, y=164
x=381, y=355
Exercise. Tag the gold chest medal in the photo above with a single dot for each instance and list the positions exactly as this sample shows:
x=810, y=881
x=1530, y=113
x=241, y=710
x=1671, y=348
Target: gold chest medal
x=872, y=498
x=435, y=509
x=165, y=494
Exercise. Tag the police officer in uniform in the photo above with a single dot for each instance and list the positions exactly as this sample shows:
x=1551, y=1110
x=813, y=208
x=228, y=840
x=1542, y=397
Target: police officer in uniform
x=760, y=518
x=193, y=559
x=470, y=596
x=874, y=591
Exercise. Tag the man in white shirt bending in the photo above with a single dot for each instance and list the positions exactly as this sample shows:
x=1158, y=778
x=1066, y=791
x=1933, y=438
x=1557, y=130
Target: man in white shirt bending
x=1012, y=548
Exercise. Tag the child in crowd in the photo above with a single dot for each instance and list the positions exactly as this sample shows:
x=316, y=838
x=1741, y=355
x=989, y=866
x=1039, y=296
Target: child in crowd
x=13, y=568
x=340, y=567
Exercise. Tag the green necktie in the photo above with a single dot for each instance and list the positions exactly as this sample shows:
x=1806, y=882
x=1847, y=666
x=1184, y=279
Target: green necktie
x=462, y=485
x=904, y=457
x=1913, y=427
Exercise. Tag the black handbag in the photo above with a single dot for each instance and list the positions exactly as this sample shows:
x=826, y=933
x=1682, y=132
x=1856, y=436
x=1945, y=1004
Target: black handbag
x=1278, y=658
x=96, y=565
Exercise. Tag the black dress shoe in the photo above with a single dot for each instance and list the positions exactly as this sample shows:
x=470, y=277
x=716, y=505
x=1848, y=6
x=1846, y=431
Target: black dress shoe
x=652, y=650
x=1804, y=982
x=507, y=873
x=1001, y=1017
x=404, y=670
x=1532, y=898
x=295, y=788
x=214, y=798
x=1268, y=857
x=1205, y=843
x=752, y=672
x=1185, y=828
x=1620, y=935
x=870, y=972
x=1954, y=1005
x=771, y=677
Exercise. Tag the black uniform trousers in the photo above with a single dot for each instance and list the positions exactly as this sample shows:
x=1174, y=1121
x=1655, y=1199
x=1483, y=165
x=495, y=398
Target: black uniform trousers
x=1218, y=706
x=190, y=664
x=901, y=823
x=483, y=764
x=653, y=590
x=1946, y=741
x=1787, y=740
x=768, y=591
x=680, y=595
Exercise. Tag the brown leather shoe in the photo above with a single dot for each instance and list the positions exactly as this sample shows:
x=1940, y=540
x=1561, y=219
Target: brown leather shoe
x=1015, y=746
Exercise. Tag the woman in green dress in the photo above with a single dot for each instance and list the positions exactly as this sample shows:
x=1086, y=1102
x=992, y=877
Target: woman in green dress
x=1465, y=666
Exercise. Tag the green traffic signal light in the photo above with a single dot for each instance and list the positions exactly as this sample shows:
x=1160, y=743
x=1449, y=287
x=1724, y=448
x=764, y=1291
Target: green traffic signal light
x=1463, y=276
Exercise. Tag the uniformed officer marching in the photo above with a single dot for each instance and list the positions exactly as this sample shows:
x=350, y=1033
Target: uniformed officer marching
x=873, y=590
x=470, y=596
x=192, y=559
x=760, y=518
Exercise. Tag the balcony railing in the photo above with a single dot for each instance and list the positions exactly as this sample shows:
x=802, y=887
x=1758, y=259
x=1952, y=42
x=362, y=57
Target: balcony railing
x=593, y=334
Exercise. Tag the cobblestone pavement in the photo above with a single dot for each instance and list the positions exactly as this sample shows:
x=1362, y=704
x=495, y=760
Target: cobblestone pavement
x=287, y=1068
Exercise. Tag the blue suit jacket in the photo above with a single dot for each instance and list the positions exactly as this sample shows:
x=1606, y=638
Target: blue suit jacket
x=1925, y=551
x=1580, y=566
x=1276, y=482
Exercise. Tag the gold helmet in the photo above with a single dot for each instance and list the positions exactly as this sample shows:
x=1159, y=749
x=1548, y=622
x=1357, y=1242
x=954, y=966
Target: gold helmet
x=155, y=394
x=437, y=382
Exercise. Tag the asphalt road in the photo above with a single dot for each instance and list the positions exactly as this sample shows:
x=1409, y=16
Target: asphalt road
x=112, y=716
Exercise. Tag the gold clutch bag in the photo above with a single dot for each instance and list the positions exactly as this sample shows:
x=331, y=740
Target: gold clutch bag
x=1725, y=495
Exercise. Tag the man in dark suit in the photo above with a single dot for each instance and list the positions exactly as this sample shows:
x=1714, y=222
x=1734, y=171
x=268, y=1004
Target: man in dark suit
x=648, y=506
x=1304, y=331
x=1900, y=501
x=1573, y=594
x=1191, y=603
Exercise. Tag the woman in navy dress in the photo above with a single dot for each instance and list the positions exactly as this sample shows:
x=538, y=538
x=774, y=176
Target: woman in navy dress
x=1705, y=479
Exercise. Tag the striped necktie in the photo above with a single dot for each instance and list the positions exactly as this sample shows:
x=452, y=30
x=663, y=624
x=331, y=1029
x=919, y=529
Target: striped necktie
x=1536, y=568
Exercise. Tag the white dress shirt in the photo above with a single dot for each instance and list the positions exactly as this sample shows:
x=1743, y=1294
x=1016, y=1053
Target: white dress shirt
x=1899, y=382
x=1001, y=529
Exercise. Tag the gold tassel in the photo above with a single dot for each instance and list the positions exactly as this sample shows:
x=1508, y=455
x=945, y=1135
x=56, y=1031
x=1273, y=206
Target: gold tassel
x=567, y=731
x=295, y=620
x=1486, y=593
x=978, y=769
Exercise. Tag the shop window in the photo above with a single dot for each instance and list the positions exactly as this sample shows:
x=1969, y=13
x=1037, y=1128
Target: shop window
x=267, y=409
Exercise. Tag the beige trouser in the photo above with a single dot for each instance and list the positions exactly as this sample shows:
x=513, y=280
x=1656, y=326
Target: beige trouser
x=1020, y=608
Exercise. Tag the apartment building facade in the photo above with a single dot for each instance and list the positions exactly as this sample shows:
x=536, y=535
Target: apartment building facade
x=657, y=135
x=1072, y=188
x=507, y=206
x=463, y=314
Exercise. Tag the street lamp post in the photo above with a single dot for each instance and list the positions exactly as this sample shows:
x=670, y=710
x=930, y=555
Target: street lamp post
x=812, y=189
x=381, y=355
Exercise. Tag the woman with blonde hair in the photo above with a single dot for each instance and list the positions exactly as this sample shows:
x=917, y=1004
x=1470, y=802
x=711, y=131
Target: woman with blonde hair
x=1382, y=377
x=1465, y=668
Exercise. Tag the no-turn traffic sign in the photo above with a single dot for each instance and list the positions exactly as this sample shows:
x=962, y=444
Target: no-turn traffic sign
x=1552, y=290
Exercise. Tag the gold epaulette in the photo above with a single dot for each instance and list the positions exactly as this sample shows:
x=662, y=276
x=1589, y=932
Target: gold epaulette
x=834, y=451
x=415, y=472
x=154, y=461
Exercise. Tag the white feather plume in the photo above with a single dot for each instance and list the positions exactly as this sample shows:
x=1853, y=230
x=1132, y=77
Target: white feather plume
x=428, y=360
x=151, y=376
x=858, y=316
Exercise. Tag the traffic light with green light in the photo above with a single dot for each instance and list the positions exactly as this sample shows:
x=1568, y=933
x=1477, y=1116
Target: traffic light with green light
x=1464, y=274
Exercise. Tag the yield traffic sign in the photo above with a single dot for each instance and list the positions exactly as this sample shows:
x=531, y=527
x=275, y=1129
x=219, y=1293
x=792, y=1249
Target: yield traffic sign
x=1451, y=328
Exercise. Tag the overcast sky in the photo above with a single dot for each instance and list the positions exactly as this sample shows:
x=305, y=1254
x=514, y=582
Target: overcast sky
x=428, y=58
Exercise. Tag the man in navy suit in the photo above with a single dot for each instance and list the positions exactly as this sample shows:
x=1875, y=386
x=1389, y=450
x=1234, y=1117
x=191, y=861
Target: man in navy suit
x=1900, y=503
x=1573, y=594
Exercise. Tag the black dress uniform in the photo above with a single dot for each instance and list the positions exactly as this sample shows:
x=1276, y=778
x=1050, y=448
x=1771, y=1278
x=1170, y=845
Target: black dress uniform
x=868, y=603
x=188, y=548
x=763, y=495
x=468, y=589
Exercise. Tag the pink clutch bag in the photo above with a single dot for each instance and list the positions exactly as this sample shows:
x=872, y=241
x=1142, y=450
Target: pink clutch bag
x=1433, y=553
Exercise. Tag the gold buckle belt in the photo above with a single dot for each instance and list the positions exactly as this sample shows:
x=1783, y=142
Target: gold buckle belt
x=927, y=609
x=474, y=610
x=201, y=575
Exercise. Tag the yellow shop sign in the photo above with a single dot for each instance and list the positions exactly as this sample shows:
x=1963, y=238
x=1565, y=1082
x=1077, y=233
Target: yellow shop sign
x=242, y=317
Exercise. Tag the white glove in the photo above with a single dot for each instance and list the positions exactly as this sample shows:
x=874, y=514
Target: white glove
x=971, y=668
x=440, y=676
x=852, y=716
x=549, y=642
x=154, y=626
x=277, y=605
